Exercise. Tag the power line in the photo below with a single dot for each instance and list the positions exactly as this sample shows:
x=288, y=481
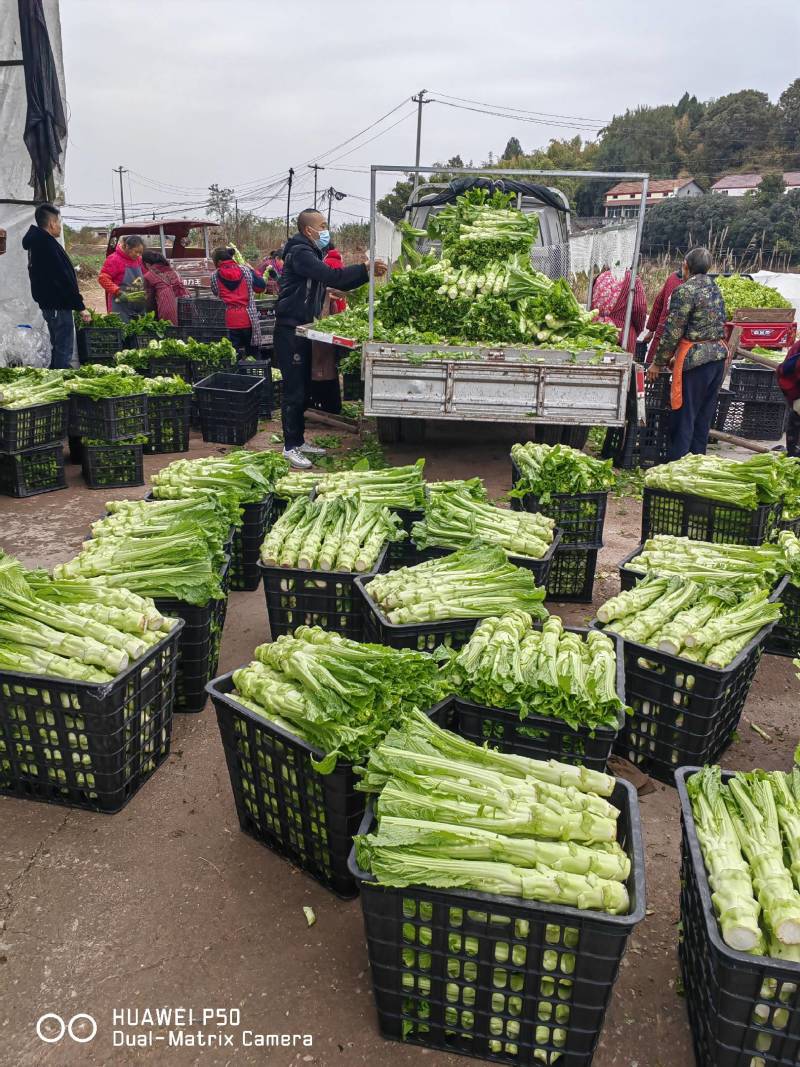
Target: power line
x=522, y=111
x=516, y=118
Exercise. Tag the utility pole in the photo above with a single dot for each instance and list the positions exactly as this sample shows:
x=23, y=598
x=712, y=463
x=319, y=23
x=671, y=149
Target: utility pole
x=121, y=170
x=236, y=217
x=316, y=168
x=419, y=100
x=289, y=200
x=333, y=194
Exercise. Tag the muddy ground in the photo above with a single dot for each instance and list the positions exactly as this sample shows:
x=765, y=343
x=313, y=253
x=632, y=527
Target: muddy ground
x=168, y=904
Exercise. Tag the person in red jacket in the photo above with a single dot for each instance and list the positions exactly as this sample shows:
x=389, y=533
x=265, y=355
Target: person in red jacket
x=337, y=300
x=789, y=381
x=659, y=312
x=236, y=287
x=121, y=277
x=162, y=286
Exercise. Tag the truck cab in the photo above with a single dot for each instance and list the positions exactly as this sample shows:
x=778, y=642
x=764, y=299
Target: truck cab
x=550, y=254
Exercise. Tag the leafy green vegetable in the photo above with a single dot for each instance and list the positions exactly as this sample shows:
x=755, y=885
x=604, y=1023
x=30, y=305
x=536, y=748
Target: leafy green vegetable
x=739, y=292
x=23, y=387
x=549, y=469
x=713, y=564
x=455, y=519
x=761, y=479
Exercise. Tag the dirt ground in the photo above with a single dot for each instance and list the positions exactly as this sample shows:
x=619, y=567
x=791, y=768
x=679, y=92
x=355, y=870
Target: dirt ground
x=168, y=904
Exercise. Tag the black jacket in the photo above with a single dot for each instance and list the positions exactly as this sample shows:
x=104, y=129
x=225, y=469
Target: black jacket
x=304, y=281
x=54, y=283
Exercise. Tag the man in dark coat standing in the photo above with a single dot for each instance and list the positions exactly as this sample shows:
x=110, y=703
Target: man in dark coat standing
x=303, y=284
x=54, y=283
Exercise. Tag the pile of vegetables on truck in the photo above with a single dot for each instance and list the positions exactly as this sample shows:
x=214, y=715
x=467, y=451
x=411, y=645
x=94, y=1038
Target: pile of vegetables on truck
x=482, y=288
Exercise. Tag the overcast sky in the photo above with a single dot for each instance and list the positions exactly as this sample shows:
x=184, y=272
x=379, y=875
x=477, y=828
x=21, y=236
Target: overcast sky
x=189, y=92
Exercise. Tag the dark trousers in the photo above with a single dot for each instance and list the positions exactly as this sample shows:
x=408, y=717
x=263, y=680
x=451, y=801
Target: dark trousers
x=689, y=425
x=293, y=356
x=61, y=326
x=242, y=341
x=793, y=434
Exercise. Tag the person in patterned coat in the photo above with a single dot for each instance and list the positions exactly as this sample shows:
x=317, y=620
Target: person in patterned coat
x=692, y=345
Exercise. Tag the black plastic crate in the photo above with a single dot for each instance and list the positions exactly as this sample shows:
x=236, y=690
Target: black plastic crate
x=755, y=383
x=571, y=578
x=205, y=335
x=201, y=311
x=405, y=553
x=83, y=744
x=308, y=817
x=111, y=419
x=724, y=401
x=490, y=976
x=32, y=471
x=228, y=406
x=247, y=540
x=168, y=416
x=785, y=638
x=538, y=736
x=792, y=525
x=316, y=598
x=97, y=344
x=198, y=369
x=198, y=649
x=170, y=367
x=261, y=369
x=113, y=466
x=421, y=636
x=756, y=420
x=142, y=340
x=683, y=712
x=744, y=1010
x=23, y=428
x=579, y=516
x=352, y=387
x=701, y=519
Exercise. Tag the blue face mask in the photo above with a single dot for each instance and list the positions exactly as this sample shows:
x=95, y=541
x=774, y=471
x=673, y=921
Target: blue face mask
x=324, y=238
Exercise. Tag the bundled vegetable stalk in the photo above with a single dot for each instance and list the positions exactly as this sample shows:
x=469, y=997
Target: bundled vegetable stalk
x=334, y=693
x=452, y=814
x=703, y=623
x=156, y=549
x=79, y=630
x=98, y=382
x=393, y=487
x=331, y=534
x=473, y=487
x=455, y=519
x=473, y=583
x=716, y=564
x=763, y=479
x=549, y=672
x=26, y=387
x=546, y=470
x=169, y=385
x=748, y=829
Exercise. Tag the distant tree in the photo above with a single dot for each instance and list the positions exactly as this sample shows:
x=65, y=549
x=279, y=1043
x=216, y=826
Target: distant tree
x=219, y=202
x=642, y=139
x=393, y=204
x=690, y=108
x=513, y=150
x=772, y=187
x=789, y=119
x=735, y=131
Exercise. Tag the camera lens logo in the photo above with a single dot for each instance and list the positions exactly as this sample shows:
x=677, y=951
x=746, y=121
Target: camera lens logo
x=51, y=1028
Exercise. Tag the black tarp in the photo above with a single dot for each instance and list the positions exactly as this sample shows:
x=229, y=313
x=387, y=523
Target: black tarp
x=459, y=186
x=45, y=122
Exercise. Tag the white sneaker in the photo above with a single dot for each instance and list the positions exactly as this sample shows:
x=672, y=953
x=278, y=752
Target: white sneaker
x=310, y=450
x=296, y=458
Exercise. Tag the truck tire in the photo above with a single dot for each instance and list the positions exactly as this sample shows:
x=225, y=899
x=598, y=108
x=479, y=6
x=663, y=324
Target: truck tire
x=388, y=430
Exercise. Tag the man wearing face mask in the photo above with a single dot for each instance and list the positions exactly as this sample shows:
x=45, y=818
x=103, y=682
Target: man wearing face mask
x=303, y=285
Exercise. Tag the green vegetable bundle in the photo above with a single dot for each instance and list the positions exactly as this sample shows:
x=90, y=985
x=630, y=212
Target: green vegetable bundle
x=98, y=382
x=331, y=534
x=725, y=565
x=761, y=479
x=550, y=672
x=171, y=548
x=79, y=630
x=703, y=623
x=171, y=385
x=452, y=814
x=25, y=387
x=99, y=321
x=473, y=583
x=338, y=695
x=546, y=470
x=749, y=833
x=241, y=477
x=393, y=487
x=145, y=325
x=739, y=292
x=455, y=519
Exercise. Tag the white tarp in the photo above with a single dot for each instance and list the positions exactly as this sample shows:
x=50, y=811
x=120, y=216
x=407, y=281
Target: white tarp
x=388, y=242
x=16, y=304
x=788, y=285
x=594, y=250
